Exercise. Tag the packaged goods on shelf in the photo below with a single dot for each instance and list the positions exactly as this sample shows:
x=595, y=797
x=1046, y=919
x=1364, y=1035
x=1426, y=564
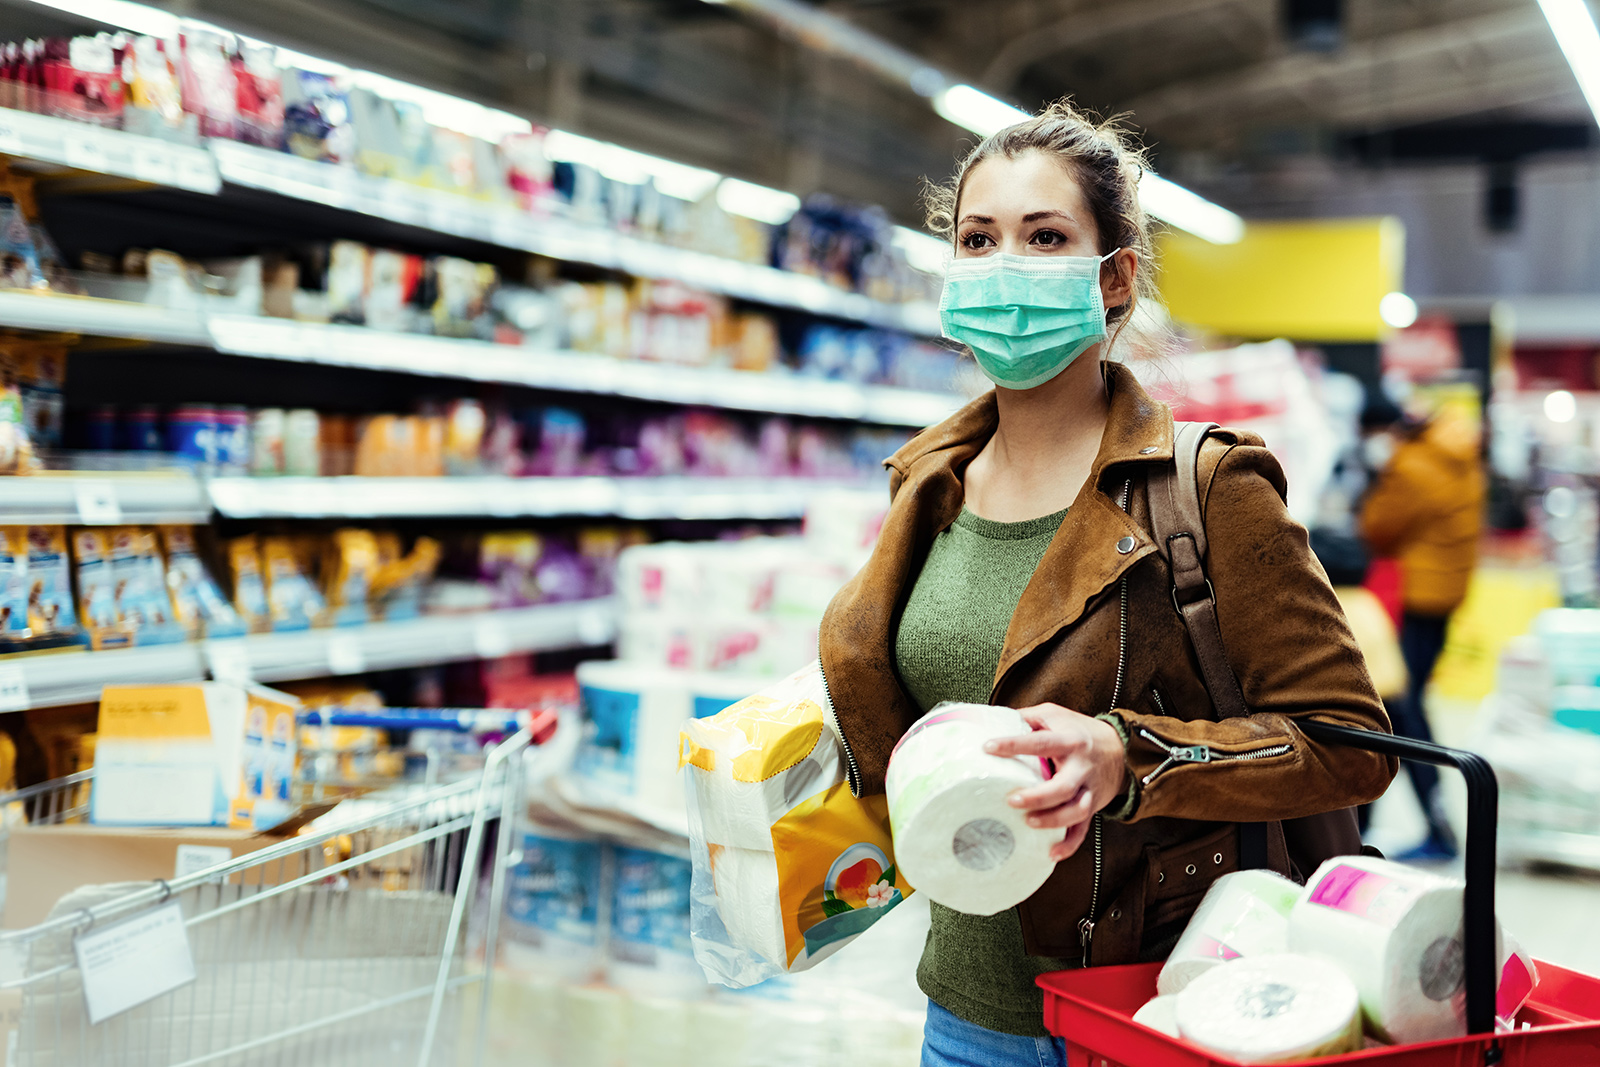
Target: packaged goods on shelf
x=35, y=575
x=553, y=902
x=648, y=949
x=206, y=754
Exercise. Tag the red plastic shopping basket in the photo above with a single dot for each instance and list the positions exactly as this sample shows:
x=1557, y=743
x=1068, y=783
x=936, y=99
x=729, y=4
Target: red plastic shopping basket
x=1093, y=1009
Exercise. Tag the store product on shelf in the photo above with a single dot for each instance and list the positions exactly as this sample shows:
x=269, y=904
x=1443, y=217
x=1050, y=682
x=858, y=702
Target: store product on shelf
x=122, y=588
x=957, y=837
x=205, y=754
x=649, y=950
x=789, y=866
x=553, y=903
x=37, y=609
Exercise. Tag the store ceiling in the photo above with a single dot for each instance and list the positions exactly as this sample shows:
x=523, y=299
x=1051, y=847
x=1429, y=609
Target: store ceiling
x=1226, y=90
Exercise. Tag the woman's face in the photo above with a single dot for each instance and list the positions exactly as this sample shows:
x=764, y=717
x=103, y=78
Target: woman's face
x=1031, y=205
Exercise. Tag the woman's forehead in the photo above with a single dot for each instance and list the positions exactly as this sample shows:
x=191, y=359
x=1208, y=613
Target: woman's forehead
x=1013, y=186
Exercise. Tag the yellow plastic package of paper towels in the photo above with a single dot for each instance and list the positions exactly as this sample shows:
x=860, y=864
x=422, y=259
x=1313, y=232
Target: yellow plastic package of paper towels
x=789, y=867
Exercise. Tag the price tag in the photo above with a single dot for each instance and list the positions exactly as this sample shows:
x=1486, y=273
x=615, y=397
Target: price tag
x=152, y=165
x=195, y=170
x=194, y=858
x=490, y=639
x=97, y=504
x=85, y=153
x=345, y=654
x=13, y=688
x=123, y=966
x=10, y=139
x=229, y=661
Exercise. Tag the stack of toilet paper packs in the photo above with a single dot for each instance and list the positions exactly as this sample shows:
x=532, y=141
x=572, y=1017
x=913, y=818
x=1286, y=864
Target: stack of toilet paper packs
x=1270, y=972
x=788, y=866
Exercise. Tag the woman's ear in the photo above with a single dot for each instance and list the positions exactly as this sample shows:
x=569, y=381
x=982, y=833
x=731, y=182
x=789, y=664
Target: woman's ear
x=1116, y=279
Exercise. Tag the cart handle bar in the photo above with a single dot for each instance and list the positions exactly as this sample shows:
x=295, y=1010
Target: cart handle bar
x=1483, y=799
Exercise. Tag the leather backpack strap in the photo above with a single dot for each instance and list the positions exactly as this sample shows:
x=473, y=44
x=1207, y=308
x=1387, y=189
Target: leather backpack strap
x=1180, y=531
x=1178, y=523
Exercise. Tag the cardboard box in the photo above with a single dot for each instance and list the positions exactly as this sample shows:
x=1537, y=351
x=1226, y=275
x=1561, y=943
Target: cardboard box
x=206, y=754
x=45, y=863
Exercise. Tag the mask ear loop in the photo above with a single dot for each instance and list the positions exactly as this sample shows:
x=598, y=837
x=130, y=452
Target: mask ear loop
x=1105, y=352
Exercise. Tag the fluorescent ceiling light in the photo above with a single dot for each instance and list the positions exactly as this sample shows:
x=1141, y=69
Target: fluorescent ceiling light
x=923, y=251
x=625, y=165
x=1187, y=210
x=1574, y=27
x=975, y=110
x=1398, y=310
x=772, y=206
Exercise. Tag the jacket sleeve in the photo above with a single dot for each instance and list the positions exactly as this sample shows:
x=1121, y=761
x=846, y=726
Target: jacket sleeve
x=1292, y=650
x=1389, y=511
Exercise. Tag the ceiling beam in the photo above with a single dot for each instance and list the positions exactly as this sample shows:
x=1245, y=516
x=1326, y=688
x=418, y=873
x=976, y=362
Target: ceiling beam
x=1083, y=28
x=1300, y=73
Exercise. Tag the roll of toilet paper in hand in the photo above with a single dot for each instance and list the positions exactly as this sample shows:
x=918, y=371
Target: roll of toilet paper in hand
x=1272, y=1009
x=955, y=836
x=1396, y=931
x=1243, y=914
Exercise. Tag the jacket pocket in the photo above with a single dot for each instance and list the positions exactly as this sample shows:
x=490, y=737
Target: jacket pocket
x=1162, y=895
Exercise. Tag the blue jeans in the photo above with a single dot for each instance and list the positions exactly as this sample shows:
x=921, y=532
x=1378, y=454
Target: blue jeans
x=948, y=1041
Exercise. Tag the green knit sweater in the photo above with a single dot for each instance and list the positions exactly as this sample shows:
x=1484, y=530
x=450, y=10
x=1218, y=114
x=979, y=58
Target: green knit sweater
x=947, y=648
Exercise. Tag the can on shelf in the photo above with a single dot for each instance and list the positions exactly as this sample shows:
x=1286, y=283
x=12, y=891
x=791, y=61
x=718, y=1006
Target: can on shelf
x=141, y=429
x=103, y=428
x=192, y=434
x=302, y=439
x=266, y=442
x=233, y=439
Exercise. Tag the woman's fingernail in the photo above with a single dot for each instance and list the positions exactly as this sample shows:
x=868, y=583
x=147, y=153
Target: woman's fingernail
x=991, y=747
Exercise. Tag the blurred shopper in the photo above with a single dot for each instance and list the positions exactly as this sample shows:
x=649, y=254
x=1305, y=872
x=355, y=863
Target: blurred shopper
x=1426, y=510
x=1017, y=567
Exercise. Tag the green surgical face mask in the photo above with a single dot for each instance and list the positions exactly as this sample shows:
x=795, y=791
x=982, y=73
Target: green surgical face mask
x=1026, y=318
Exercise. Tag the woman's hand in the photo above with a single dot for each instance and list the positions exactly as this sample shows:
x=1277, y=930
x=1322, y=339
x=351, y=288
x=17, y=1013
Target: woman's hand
x=1090, y=770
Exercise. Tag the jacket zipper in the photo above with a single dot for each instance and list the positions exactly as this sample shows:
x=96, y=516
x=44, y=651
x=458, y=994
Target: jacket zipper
x=1098, y=825
x=1177, y=754
x=1155, y=695
x=852, y=768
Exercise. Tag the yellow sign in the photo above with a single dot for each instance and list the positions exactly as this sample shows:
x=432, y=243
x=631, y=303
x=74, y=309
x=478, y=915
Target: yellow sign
x=1307, y=281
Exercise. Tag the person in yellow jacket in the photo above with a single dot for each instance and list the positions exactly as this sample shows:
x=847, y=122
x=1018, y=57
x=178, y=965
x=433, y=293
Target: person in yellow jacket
x=1426, y=510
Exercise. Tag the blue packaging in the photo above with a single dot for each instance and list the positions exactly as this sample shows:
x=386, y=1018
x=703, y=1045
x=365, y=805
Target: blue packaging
x=141, y=429
x=650, y=909
x=553, y=897
x=192, y=434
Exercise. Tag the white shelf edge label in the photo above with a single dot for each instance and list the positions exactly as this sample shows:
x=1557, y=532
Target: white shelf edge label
x=345, y=654
x=13, y=688
x=98, y=504
x=194, y=858
x=229, y=661
x=125, y=965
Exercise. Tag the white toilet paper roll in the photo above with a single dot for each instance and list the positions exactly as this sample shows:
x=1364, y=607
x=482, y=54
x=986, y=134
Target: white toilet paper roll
x=1272, y=1009
x=955, y=836
x=1243, y=914
x=1396, y=931
x=746, y=882
x=1160, y=1014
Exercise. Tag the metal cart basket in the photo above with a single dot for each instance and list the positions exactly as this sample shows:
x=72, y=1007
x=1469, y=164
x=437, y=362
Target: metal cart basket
x=355, y=944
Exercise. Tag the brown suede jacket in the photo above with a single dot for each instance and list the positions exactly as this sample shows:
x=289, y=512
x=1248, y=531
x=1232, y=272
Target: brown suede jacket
x=1096, y=632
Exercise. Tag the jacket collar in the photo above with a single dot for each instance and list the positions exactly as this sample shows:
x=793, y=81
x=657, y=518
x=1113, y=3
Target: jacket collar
x=1138, y=430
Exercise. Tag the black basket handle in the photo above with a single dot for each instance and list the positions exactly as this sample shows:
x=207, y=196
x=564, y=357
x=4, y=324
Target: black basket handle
x=1483, y=801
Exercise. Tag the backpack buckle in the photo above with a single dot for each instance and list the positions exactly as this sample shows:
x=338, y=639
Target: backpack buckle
x=1210, y=594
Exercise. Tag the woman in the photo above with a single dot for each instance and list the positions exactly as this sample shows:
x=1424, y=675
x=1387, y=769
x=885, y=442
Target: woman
x=1016, y=567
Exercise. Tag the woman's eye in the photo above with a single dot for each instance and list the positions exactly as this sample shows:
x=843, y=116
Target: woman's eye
x=974, y=241
x=1049, y=238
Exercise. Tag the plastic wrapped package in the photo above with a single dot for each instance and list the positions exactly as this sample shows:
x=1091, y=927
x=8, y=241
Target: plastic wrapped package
x=788, y=866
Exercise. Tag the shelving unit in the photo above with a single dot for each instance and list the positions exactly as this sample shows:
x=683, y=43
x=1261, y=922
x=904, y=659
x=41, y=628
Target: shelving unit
x=636, y=499
x=53, y=679
x=103, y=499
x=82, y=146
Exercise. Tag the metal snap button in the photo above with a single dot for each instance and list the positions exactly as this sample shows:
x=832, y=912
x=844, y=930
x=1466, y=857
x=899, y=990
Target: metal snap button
x=1126, y=545
x=1161, y=876
x=1217, y=859
x=1189, y=869
x=1116, y=913
x=1146, y=450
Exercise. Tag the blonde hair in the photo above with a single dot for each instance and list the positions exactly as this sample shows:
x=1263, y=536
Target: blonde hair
x=1107, y=164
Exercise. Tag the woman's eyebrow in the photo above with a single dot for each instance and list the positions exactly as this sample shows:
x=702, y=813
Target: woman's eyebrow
x=1035, y=216
x=981, y=220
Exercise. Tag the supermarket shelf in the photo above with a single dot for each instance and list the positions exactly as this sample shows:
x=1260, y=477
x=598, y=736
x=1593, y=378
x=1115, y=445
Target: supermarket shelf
x=419, y=642
x=387, y=198
x=101, y=318
x=77, y=677
x=101, y=499
x=83, y=146
x=358, y=346
x=625, y=498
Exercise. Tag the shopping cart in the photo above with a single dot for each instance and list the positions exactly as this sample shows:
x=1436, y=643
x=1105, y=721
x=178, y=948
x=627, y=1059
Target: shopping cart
x=1558, y=1027
x=341, y=947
